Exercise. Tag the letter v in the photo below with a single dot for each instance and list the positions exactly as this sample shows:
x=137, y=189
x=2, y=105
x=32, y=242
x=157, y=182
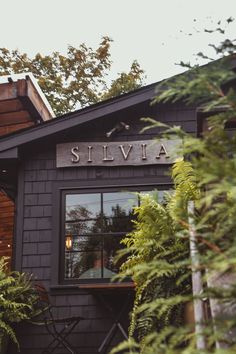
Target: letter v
x=125, y=154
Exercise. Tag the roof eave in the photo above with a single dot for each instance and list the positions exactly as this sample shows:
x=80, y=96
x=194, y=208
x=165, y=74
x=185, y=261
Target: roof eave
x=77, y=118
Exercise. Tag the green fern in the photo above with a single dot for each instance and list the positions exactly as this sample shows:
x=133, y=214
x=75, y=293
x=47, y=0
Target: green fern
x=158, y=248
x=17, y=300
x=152, y=263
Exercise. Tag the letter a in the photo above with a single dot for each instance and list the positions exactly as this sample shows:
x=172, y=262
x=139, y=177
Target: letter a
x=162, y=151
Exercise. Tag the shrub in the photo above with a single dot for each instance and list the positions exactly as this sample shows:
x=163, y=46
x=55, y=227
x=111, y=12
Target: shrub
x=17, y=301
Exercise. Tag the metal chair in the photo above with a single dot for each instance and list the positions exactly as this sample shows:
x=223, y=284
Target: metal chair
x=52, y=324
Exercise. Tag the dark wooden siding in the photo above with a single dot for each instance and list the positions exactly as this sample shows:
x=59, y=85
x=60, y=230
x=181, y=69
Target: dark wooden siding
x=6, y=225
x=34, y=239
x=6, y=204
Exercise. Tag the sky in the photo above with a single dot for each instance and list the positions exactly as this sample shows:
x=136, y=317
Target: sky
x=157, y=33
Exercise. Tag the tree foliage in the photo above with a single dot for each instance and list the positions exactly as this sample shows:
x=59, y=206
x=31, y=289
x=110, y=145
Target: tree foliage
x=158, y=249
x=76, y=79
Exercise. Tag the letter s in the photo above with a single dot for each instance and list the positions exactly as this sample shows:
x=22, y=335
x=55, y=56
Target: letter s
x=74, y=151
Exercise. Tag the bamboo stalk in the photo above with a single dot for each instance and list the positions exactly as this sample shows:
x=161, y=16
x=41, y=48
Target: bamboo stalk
x=197, y=284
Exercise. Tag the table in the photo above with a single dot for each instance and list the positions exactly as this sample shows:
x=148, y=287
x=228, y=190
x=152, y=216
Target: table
x=102, y=292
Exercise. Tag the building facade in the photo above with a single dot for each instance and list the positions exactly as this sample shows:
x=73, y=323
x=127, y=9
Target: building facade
x=75, y=179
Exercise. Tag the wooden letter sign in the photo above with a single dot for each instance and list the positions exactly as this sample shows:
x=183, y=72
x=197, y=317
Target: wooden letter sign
x=136, y=153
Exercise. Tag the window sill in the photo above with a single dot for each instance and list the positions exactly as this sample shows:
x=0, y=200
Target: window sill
x=125, y=285
x=93, y=286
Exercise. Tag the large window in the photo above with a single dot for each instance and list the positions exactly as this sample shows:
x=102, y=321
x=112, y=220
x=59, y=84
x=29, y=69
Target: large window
x=93, y=225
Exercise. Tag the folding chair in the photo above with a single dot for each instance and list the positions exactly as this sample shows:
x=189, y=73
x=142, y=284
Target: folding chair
x=52, y=324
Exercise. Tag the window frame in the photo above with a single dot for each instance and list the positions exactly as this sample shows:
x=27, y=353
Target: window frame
x=101, y=192
x=58, y=255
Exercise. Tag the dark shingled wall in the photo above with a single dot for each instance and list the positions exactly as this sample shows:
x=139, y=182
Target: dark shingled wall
x=34, y=228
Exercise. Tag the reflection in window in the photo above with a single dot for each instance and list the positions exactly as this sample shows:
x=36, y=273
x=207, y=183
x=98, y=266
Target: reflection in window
x=158, y=195
x=118, y=204
x=95, y=223
x=82, y=206
x=94, y=226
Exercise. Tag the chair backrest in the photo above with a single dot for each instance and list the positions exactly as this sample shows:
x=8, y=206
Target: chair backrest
x=42, y=292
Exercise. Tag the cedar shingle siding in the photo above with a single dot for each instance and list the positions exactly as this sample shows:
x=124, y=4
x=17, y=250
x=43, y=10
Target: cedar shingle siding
x=38, y=177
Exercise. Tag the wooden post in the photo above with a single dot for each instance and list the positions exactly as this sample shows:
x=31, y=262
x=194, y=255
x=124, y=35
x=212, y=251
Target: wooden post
x=196, y=281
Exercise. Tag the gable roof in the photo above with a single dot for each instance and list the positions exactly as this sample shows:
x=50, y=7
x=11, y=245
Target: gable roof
x=70, y=120
x=23, y=91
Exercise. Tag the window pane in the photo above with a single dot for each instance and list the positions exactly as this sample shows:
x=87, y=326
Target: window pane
x=158, y=194
x=83, y=243
x=95, y=267
x=111, y=246
x=119, y=204
x=118, y=224
x=109, y=270
x=83, y=265
x=84, y=227
x=83, y=206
